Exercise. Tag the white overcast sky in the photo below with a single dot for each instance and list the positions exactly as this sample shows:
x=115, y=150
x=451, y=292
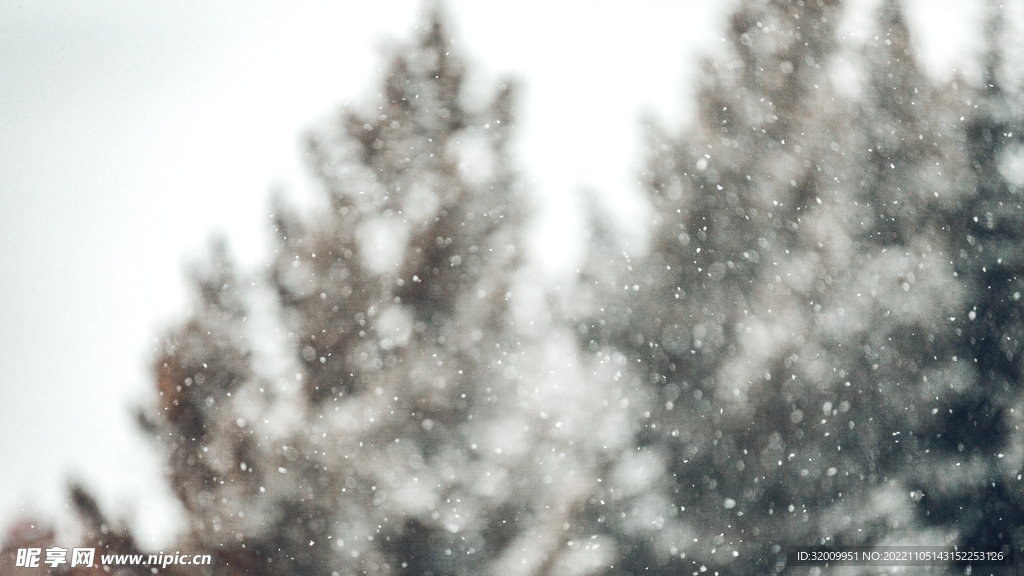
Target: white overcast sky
x=129, y=132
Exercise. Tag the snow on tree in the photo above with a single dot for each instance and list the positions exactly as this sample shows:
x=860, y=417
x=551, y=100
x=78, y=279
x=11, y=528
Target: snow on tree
x=807, y=315
x=370, y=457
x=979, y=489
x=420, y=412
x=821, y=344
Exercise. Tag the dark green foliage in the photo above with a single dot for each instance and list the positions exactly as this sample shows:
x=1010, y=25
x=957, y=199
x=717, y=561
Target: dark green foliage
x=827, y=306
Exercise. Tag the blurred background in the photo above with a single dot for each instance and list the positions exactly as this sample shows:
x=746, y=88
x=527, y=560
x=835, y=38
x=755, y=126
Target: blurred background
x=129, y=134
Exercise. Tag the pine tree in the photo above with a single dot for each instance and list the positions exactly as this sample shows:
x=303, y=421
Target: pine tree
x=982, y=429
x=395, y=301
x=359, y=454
x=806, y=313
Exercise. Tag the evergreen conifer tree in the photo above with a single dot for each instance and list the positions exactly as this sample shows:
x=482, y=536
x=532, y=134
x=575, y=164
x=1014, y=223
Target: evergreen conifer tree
x=821, y=344
x=358, y=453
x=826, y=312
